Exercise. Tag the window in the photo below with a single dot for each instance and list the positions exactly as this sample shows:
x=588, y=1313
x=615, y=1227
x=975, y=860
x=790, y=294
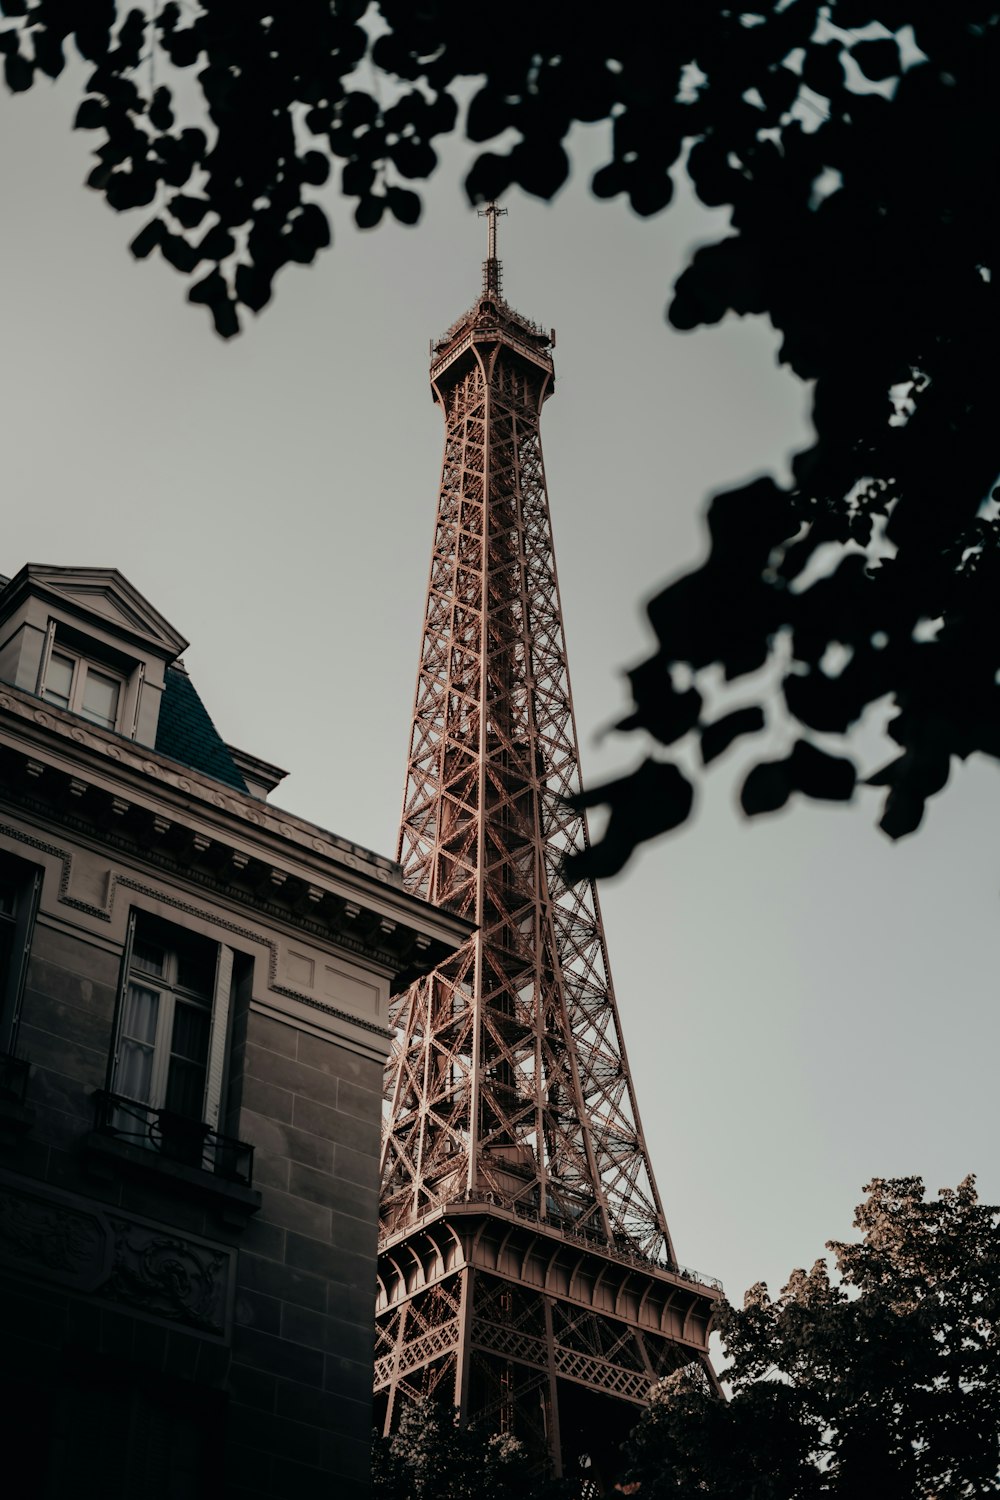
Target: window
x=94, y=692
x=174, y=1013
x=20, y=885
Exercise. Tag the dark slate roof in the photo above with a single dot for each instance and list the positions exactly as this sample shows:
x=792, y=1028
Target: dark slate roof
x=186, y=733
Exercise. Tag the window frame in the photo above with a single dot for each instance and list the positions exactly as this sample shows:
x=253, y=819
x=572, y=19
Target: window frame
x=218, y=1005
x=18, y=926
x=82, y=666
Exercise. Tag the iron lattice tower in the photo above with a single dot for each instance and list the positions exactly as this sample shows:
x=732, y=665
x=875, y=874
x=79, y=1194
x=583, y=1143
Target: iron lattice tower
x=526, y=1270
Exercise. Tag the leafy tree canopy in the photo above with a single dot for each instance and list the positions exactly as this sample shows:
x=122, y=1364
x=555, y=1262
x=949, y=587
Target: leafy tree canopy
x=882, y=1379
x=855, y=144
x=430, y=1457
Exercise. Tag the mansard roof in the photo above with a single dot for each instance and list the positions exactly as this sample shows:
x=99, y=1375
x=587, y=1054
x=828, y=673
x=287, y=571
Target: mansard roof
x=185, y=732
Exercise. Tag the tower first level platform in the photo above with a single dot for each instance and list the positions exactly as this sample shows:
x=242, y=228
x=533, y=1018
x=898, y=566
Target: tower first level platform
x=541, y=1333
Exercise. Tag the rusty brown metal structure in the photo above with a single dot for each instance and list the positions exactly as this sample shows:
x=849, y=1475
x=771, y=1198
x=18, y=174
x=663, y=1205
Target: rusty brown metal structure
x=526, y=1270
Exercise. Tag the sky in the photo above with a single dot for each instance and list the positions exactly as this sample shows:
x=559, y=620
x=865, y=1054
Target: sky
x=805, y=1005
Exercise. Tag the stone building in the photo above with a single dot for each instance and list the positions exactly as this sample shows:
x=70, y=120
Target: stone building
x=193, y=998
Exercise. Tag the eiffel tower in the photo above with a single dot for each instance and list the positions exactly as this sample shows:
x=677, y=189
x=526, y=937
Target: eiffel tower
x=526, y=1272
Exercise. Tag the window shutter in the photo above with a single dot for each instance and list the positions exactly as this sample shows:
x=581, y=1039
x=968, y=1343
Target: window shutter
x=120, y=1007
x=220, y=1031
x=140, y=679
x=27, y=911
x=43, y=665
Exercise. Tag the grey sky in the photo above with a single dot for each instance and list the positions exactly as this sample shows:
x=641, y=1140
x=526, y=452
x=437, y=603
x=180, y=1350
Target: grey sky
x=804, y=1004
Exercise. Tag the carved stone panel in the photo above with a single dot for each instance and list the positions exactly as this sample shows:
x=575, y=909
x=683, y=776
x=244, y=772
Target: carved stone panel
x=149, y=1268
x=169, y=1276
x=52, y=1239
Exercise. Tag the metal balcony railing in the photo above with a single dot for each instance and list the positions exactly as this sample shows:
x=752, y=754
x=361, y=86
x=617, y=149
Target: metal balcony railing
x=14, y=1079
x=174, y=1137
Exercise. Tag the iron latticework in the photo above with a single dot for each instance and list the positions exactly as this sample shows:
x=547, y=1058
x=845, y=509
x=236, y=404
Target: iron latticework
x=527, y=1272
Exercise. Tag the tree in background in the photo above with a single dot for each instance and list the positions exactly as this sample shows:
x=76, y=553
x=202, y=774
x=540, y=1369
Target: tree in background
x=882, y=1380
x=854, y=142
x=431, y=1457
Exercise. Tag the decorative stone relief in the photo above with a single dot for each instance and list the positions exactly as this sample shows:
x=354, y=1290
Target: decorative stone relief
x=171, y=1277
x=53, y=1240
x=62, y=1238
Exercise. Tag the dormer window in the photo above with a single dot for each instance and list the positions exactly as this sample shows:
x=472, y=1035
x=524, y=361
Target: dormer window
x=84, y=640
x=84, y=688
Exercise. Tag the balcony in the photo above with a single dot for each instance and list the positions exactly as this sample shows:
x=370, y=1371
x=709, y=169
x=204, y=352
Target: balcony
x=178, y=1151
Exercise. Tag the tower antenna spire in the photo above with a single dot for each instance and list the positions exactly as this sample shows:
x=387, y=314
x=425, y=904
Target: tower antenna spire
x=492, y=268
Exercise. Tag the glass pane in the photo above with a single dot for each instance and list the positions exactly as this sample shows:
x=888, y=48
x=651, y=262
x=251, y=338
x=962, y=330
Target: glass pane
x=100, y=698
x=186, y=1088
x=196, y=959
x=135, y=1071
x=149, y=957
x=59, y=679
x=141, y=1010
x=190, y=1038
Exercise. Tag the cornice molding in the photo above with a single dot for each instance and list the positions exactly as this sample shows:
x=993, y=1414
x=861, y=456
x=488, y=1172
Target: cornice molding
x=129, y=799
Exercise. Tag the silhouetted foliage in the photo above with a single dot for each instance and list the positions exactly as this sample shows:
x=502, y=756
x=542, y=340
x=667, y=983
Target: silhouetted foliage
x=431, y=1457
x=883, y=1379
x=855, y=143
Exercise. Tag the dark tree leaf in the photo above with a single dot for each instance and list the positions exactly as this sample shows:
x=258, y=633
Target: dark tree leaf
x=18, y=72
x=709, y=169
x=608, y=181
x=369, y=211
x=654, y=799
x=904, y=811
x=404, y=205
x=209, y=290
x=823, y=68
x=314, y=168
x=187, y=210
x=49, y=55
x=542, y=170
x=830, y=778
x=225, y=318
x=717, y=738
x=357, y=179
x=650, y=193
x=310, y=231
x=213, y=293
x=147, y=239
x=666, y=713
x=489, y=115
x=414, y=159
x=177, y=252
x=253, y=287
x=216, y=244
x=490, y=177
x=91, y=115
x=161, y=116
x=766, y=787
x=133, y=189
x=878, y=60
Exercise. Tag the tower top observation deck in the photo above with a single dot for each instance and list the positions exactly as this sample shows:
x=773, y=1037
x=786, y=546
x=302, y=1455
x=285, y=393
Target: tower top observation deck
x=491, y=320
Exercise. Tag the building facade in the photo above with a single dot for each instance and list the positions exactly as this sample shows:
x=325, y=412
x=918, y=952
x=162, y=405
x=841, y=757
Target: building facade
x=194, y=996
